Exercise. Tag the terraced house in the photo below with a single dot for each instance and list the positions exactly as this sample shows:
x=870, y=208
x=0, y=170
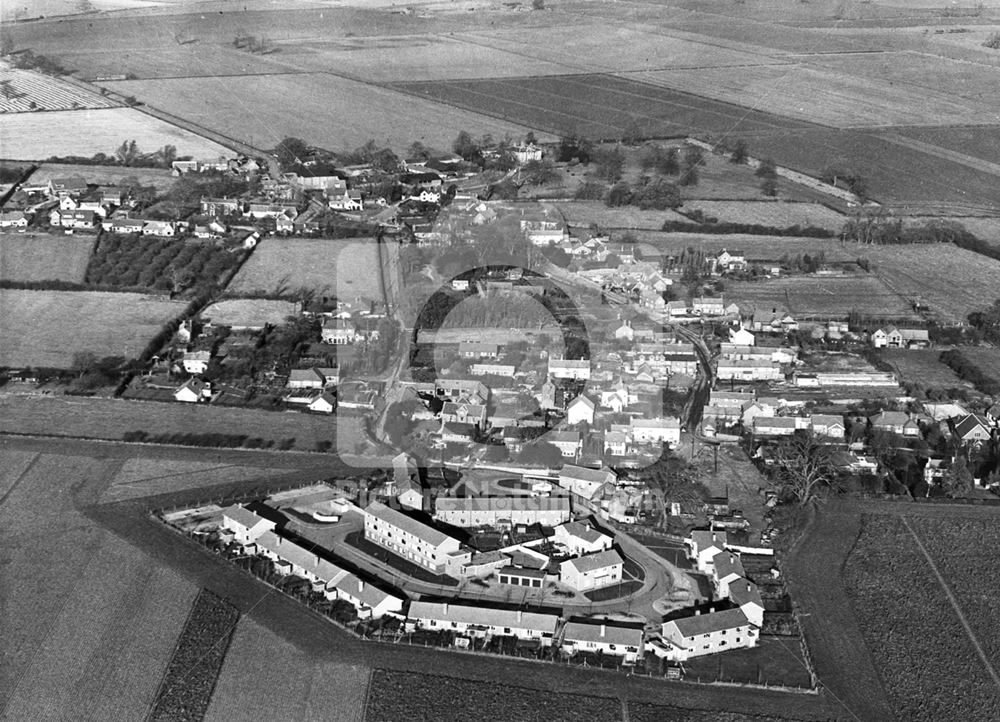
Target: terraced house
x=408, y=538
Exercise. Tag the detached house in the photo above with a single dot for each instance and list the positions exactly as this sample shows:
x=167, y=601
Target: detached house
x=581, y=538
x=896, y=422
x=593, y=571
x=580, y=411
x=196, y=362
x=576, y=369
x=338, y=331
x=568, y=442
x=13, y=219
x=245, y=524
x=973, y=429
x=709, y=633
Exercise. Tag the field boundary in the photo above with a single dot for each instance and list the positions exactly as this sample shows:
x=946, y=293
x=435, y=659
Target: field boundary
x=954, y=603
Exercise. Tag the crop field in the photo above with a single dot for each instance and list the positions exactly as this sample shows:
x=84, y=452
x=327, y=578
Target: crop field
x=112, y=418
x=583, y=213
x=330, y=111
x=104, y=175
x=37, y=136
x=978, y=141
x=44, y=257
x=775, y=214
x=26, y=91
x=818, y=95
x=820, y=296
x=406, y=695
x=756, y=248
x=45, y=328
x=250, y=313
x=925, y=657
x=95, y=645
x=597, y=106
x=140, y=477
x=344, y=268
x=952, y=281
x=298, y=687
x=923, y=367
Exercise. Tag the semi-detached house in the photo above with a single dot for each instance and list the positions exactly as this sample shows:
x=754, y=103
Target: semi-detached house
x=482, y=622
x=609, y=639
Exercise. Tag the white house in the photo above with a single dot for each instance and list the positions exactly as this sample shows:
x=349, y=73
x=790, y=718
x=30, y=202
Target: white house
x=741, y=337
x=408, y=538
x=568, y=442
x=576, y=369
x=748, y=370
x=338, y=331
x=192, y=391
x=491, y=511
x=325, y=403
x=609, y=639
x=580, y=411
x=370, y=601
x=710, y=633
x=663, y=431
x=828, y=425
x=479, y=622
x=726, y=569
x=592, y=571
x=745, y=594
x=615, y=443
x=581, y=538
x=584, y=482
x=704, y=545
x=245, y=525
x=196, y=362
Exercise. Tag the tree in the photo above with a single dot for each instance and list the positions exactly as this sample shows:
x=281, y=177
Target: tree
x=385, y=160
x=465, y=146
x=804, y=466
x=767, y=169
x=418, y=151
x=291, y=151
x=739, y=152
x=769, y=186
x=540, y=172
x=127, y=153
x=167, y=155
x=541, y=453
x=657, y=195
x=693, y=157
x=668, y=163
x=610, y=163
x=957, y=481
x=620, y=194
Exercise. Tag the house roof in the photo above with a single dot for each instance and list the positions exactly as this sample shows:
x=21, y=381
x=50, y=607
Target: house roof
x=582, y=400
x=566, y=363
x=582, y=473
x=303, y=375
x=365, y=592
x=300, y=556
x=668, y=423
x=743, y=592
x=502, y=503
x=726, y=564
x=775, y=422
x=485, y=616
x=702, y=539
x=195, y=385
x=529, y=572
x=890, y=418
x=613, y=634
x=241, y=516
x=969, y=423
x=592, y=562
x=408, y=524
x=567, y=437
x=707, y=623
x=583, y=531
x=827, y=420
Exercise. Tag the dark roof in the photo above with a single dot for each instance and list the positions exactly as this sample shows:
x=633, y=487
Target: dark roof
x=263, y=510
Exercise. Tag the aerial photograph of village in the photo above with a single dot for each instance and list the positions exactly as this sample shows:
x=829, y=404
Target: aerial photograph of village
x=527, y=361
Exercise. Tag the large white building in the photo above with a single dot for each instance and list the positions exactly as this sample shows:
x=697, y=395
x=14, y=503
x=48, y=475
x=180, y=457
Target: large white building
x=482, y=621
x=593, y=571
x=578, y=369
x=580, y=538
x=245, y=524
x=702, y=634
x=491, y=510
x=408, y=538
x=660, y=431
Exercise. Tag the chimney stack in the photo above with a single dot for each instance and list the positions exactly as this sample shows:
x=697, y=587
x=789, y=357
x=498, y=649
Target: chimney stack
x=361, y=585
x=445, y=607
x=697, y=612
x=603, y=630
x=520, y=614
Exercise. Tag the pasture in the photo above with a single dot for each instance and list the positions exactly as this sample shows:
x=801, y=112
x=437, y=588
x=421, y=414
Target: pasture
x=298, y=688
x=329, y=111
x=922, y=366
x=42, y=257
x=140, y=477
x=46, y=328
x=952, y=281
x=979, y=141
x=581, y=214
x=105, y=175
x=343, y=268
x=249, y=313
x=775, y=214
x=25, y=91
x=756, y=248
x=94, y=645
x=987, y=360
x=805, y=296
x=37, y=136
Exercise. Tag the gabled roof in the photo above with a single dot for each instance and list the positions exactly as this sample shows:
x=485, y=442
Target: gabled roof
x=502, y=503
x=613, y=634
x=582, y=531
x=727, y=564
x=365, y=592
x=582, y=473
x=743, y=592
x=243, y=517
x=703, y=539
x=592, y=562
x=407, y=523
x=969, y=423
x=890, y=418
x=485, y=616
x=708, y=623
x=300, y=556
x=584, y=400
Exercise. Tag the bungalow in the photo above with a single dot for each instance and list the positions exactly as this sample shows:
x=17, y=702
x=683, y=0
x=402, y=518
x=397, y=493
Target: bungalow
x=464, y=413
x=580, y=411
x=973, y=429
x=73, y=219
x=473, y=621
x=576, y=369
x=750, y=370
x=454, y=432
x=526, y=153
x=370, y=601
x=13, y=219
x=581, y=538
x=663, y=431
x=266, y=209
x=245, y=524
x=125, y=225
x=828, y=425
x=593, y=571
x=347, y=201
x=893, y=337
x=163, y=229
x=609, y=639
x=196, y=362
x=778, y=425
x=741, y=337
x=730, y=261
x=325, y=403
x=192, y=391
x=71, y=185
x=710, y=633
x=568, y=442
x=305, y=379
x=210, y=230
x=732, y=399
x=896, y=422
x=469, y=349
x=481, y=369
x=408, y=538
x=676, y=309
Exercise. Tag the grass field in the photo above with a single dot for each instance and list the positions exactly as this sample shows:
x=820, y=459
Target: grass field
x=982, y=141
x=581, y=214
x=986, y=360
x=922, y=367
x=250, y=313
x=341, y=268
x=756, y=248
x=952, y=281
x=94, y=645
x=43, y=257
x=148, y=477
x=111, y=418
x=28, y=92
x=814, y=295
x=298, y=687
x=769, y=213
x=926, y=659
x=104, y=175
x=45, y=328
x=329, y=111
x=37, y=136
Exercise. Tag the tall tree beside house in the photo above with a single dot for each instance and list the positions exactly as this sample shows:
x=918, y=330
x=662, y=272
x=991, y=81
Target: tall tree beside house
x=167, y=155
x=291, y=151
x=418, y=151
x=804, y=468
x=957, y=481
x=466, y=147
x=127, y=153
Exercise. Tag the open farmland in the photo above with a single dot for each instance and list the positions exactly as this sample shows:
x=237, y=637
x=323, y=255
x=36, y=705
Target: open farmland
x=775, y=214
x=26, y=91
x=805, y=296
x=756, y=248
x=952, y=281
x=140, y=477
x=298, y=686
x=41, y=257
x=987, y=360
x=342, y=268
x=583, y=213
x=37, y=136
x=250, y=313
x=922, y=366
x=980, y=141
x=330, y=111
x=46, y=328
x=104, y=175
x=926, y=659
x=112, y=418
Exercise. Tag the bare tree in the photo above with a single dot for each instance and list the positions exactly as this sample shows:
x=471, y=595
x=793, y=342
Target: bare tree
x=804, y=466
